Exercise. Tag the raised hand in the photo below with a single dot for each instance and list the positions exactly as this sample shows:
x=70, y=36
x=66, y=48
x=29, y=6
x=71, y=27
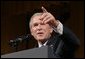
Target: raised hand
x=47, y=17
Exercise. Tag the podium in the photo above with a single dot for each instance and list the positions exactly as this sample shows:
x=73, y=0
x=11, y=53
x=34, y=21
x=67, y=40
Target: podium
x=42, y=52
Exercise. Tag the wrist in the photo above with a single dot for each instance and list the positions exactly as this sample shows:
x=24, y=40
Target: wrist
x=56, y=23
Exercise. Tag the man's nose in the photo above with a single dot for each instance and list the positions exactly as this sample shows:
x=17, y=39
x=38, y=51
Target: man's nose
x=39, y=27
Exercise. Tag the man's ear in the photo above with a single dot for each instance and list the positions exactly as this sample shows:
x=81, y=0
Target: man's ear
x=31, y=32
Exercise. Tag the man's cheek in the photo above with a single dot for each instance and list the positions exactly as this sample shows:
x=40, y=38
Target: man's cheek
x=32, y=32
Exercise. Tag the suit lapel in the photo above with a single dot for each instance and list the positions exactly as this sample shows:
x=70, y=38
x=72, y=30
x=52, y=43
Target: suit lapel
x=54, y=42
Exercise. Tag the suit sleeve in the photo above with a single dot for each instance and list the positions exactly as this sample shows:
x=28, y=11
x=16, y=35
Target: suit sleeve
x=70, y=38
x=68, y=44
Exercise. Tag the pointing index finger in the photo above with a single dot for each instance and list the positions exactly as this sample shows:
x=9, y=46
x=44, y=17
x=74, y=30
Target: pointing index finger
x=44, y=10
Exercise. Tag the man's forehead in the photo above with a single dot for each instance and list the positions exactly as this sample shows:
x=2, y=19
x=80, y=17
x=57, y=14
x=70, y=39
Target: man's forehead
x=35, y=18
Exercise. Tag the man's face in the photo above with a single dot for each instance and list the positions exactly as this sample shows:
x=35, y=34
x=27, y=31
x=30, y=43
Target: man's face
x=39, y=30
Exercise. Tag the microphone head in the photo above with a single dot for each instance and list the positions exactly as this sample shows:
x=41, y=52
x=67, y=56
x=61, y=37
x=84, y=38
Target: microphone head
x=19, y=39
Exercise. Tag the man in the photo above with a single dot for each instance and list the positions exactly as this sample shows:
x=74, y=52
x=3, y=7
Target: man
x=49, y=31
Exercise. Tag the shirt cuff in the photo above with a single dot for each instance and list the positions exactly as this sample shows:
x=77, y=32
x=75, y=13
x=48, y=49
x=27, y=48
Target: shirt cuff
x=59, y=28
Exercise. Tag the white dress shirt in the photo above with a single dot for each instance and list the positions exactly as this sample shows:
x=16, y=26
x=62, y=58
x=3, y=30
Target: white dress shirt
x=40, y=44
x=59, y=28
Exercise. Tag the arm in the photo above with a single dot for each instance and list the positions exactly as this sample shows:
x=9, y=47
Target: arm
x=68, y=44
x=67, y=35
x=70, y=38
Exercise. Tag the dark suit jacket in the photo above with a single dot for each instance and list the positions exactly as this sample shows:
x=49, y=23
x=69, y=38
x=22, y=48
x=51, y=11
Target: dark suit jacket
x=64, y=46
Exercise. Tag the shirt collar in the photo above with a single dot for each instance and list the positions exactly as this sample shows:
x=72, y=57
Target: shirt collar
x=40, y=44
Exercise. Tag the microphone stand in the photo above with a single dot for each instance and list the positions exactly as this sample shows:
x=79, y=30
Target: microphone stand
x=27, y=40
x=26, y=43
x=14, y=45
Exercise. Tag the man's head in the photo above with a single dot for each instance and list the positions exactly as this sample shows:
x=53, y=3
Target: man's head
x=39, y=30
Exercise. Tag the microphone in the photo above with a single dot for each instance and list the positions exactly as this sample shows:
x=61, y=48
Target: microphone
x=20, y=39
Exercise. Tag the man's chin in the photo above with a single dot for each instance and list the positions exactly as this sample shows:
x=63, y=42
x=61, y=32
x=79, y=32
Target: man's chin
x=40, y=38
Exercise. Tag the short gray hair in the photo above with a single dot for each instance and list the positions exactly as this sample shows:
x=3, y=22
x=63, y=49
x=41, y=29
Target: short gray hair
x=35, y=14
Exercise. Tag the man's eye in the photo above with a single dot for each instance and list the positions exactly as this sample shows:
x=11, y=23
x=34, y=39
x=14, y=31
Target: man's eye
x=35, y=24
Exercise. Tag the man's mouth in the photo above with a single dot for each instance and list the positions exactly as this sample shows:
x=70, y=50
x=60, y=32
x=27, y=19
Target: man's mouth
x=40, y=33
